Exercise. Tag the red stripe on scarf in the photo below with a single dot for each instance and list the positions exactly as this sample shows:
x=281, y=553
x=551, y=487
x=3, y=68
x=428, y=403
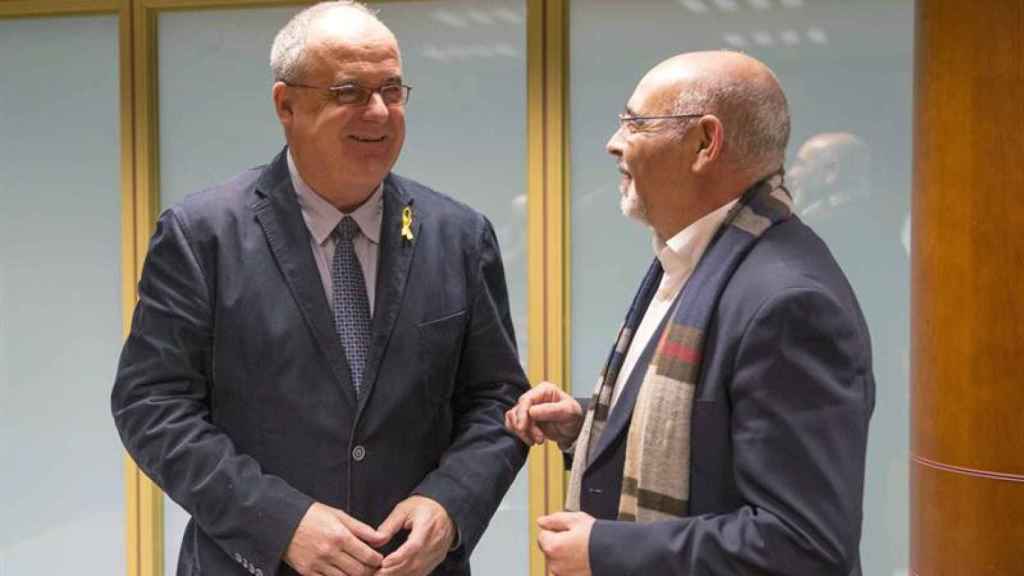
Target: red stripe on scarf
x=680, y=352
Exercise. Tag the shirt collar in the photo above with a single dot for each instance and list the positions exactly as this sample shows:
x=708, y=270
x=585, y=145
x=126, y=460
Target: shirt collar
x=680, y=253
x=322, y=217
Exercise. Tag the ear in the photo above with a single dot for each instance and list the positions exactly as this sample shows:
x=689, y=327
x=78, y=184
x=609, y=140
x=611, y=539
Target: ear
x=282, y=103
x=708, y=140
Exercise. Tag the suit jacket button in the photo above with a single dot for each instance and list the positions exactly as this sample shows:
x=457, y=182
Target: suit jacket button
x=358, y=453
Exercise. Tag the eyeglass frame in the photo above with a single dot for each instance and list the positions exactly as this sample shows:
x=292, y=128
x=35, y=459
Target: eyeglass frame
x=335, y=88
x=625, y=119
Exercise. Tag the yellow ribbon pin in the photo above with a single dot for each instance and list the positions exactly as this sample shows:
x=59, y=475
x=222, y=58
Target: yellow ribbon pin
x=407, y=223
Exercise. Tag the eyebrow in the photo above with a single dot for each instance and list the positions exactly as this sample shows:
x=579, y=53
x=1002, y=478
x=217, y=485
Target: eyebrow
x=630, y=111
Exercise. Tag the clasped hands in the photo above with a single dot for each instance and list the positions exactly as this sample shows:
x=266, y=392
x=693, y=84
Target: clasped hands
x=329, y=542
x=543, y=413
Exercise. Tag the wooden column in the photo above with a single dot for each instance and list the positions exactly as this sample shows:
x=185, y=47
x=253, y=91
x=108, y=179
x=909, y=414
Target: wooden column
x=967, y=440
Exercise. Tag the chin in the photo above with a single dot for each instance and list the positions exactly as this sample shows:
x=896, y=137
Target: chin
x=633, y=207
x=366, y=177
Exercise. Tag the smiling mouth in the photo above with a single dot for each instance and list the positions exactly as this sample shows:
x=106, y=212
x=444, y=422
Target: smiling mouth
x=368, y=140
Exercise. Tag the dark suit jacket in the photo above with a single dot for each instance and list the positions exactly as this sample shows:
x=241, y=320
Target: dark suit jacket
x=233, y=391
x=779, y=431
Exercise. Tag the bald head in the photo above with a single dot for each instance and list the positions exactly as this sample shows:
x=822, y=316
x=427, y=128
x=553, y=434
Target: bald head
x=840, y=148
x=830, y=163
x=324, y=25
x=742, y=92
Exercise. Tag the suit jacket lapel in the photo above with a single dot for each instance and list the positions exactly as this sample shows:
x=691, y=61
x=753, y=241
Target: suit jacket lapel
x=622, y=412
x=278, y=212
x=395, y=257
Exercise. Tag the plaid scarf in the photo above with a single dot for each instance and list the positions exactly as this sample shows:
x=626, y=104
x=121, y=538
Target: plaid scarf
x=656, y=476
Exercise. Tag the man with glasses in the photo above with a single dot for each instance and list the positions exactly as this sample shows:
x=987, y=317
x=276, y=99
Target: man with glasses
x=322, y=350
x=727, y=433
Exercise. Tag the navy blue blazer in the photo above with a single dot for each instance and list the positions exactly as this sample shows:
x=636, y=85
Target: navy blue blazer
x=233, y=391
x=779, y=431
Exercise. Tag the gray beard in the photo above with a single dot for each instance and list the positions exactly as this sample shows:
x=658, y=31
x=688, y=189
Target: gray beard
x=633, y=206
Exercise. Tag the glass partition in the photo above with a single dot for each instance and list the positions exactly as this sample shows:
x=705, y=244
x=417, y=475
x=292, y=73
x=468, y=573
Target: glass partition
x=846, y=67
x=466, y=124
x=60, y=296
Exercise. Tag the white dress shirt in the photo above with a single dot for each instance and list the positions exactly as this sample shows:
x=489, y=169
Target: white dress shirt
x=678, y=257
x=322, y=218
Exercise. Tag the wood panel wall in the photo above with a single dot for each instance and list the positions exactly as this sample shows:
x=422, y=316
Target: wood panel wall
x=967, y=437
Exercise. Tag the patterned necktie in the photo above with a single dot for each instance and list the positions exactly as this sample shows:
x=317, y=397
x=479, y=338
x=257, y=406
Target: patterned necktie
x=349, y=300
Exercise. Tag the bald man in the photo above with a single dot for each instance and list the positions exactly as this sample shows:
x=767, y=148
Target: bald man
x=727, y=432
x=832, y=169
x=322, y=350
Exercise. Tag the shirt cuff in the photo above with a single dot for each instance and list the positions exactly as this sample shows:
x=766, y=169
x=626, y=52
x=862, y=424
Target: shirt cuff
x=458, y=539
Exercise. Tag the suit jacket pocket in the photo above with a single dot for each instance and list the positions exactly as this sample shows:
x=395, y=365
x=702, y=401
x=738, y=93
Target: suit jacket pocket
x=443, y=320
x=440, y=347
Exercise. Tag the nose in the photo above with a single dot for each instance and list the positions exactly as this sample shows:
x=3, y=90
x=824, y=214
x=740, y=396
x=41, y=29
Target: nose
x=614, y=145
x=376, y=110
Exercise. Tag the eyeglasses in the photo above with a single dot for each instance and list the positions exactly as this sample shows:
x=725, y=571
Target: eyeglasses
x=636, y=123
x=352, y=94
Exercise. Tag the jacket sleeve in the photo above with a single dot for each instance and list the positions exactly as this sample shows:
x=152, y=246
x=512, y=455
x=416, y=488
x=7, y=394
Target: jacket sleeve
x=161, y=406
x=483, y=458
x=801, y=396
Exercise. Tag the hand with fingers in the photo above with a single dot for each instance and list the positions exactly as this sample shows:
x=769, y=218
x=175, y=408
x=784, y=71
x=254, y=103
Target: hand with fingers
x=431, y=535
x=565, y=540
x=545, y=412
x=329, y=542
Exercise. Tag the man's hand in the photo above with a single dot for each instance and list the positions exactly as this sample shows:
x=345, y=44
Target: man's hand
x=545, y=412
x=431, y=535
x=329, y=542
x=565, y=540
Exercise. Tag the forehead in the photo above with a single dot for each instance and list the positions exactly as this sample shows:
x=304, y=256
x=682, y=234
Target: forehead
x=654, y=95
x=360, y=50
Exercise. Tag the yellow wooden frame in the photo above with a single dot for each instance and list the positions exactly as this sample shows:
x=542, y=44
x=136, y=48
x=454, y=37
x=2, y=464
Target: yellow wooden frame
x=47, y=8
x=548, y=282
x=547, y=182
